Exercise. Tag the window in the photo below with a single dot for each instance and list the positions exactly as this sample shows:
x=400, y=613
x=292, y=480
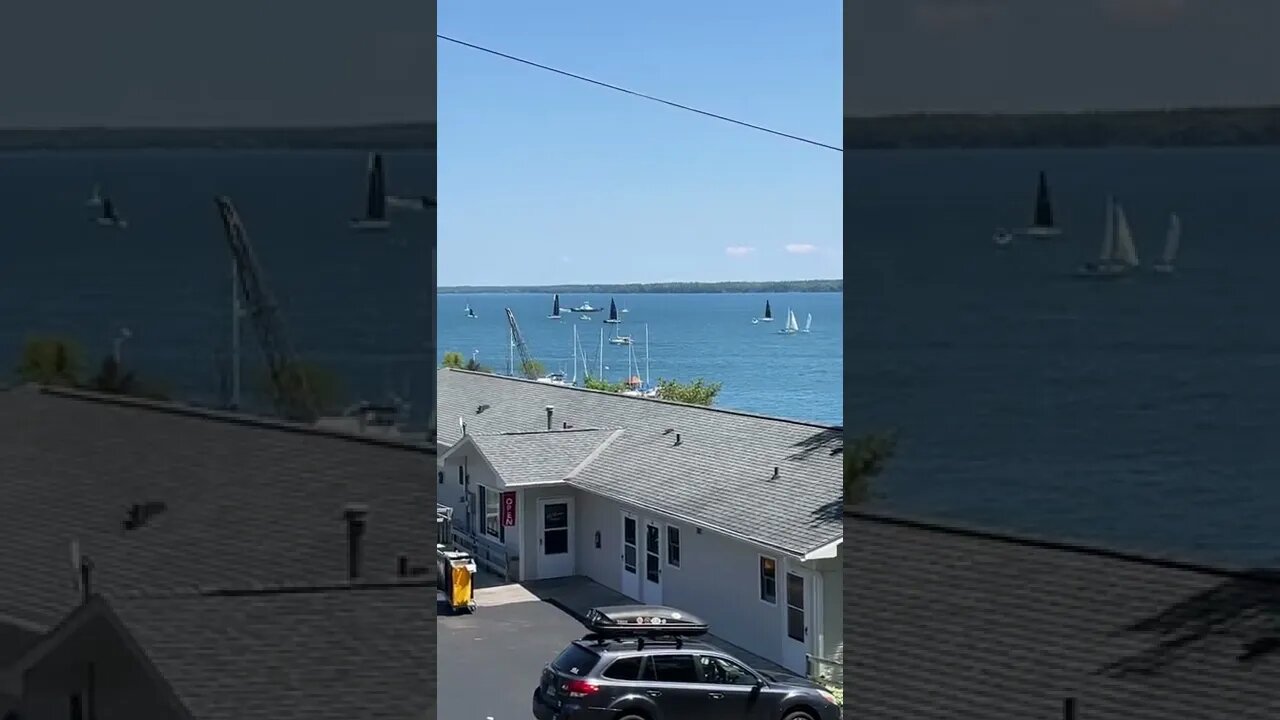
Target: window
x=670, y=669
x=575, y=660
x=722, y=671
x=769, y=580
x=461, y=474
x=440, y=477
x=624, y=669
x=795, y=607
x=492, y=512
x=673, y=546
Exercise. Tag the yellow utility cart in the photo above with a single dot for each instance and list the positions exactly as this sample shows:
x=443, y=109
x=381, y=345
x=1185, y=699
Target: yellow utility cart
x=456, y=571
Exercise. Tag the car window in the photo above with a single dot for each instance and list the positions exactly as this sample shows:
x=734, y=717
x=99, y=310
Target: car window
x=575, y=660
x=722, y=671
x=671, y=669
x=624, y=669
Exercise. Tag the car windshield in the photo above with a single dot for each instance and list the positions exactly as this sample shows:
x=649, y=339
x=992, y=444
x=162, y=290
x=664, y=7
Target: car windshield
x=575, y=660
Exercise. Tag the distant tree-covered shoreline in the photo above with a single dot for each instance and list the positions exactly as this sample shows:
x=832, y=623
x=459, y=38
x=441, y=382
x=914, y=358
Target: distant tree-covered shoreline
x=397, y=136
x=779, y=286
x=1192, y=127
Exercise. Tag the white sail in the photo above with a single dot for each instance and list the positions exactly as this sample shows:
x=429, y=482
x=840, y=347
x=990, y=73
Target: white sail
x=1109, y=234
x=1172, y=240
x=808, y=321
x=1126, y=251
x=792, y=325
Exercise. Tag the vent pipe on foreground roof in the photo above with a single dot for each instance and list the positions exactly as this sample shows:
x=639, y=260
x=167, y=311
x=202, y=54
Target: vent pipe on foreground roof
x=776, y=473
x=86, y=578
x=551, y=409
x=355, y=514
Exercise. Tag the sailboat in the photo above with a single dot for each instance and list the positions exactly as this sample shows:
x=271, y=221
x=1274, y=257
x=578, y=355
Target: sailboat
x=555, y=308
x=95, y=197
x=469, y=312
x=1171, y=242
x=808, y=321
x=585, y=307
x=375, y=204
x=109, y=216
x=613, y=314
x=768, y=313
x=1118, y=254
x=792, y=327
x=1042, y=220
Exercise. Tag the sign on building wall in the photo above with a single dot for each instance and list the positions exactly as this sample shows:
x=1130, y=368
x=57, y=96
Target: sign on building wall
x=508, y=509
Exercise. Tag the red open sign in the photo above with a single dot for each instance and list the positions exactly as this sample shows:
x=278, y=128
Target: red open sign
x=508, y=509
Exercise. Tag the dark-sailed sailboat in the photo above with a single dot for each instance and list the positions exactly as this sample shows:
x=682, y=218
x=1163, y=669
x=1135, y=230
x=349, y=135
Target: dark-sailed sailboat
x=768, y=313
x=109, y=216
x=1042, y=219
x=555, y=308
x=375, y=207
x=613, y=313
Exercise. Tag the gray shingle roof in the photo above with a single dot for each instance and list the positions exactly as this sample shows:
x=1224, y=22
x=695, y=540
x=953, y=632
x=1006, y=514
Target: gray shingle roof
x=946, y=623
x=245, y=503
x=539, y=457
x=334, y=655
x=719, y=476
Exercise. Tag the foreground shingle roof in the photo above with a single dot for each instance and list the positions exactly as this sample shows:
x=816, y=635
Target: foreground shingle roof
x=719, y=476
x=246, y=501
x=949, y=622
x=332, y=654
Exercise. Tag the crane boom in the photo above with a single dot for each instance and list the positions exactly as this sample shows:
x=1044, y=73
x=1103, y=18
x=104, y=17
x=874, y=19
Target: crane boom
x=528, y=367
x=291, y=395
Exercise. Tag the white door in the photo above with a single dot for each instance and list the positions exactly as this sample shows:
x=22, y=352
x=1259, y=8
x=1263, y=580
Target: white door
x=798, y=606
x=555, y=537
x=652, y=563
x=630, y=557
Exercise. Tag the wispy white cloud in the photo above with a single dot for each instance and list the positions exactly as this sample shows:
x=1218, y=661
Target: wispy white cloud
x=800, y=248
x=739, y=250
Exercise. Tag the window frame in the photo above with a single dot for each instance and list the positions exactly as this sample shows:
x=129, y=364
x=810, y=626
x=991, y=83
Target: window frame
x=676, y=562
x=760, y=579
x=485, y=493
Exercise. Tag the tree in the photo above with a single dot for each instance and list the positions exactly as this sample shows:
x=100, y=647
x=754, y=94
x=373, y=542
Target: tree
x=114, y=379
x=306, y=392
x=698, y=392
x=51, y=361
x=603, y=385
x=864, y=459
x=453, y=359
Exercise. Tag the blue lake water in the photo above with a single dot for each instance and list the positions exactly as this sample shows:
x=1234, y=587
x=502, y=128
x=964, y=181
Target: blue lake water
x=1142, y=413
x=357, y=304
x=690, y=336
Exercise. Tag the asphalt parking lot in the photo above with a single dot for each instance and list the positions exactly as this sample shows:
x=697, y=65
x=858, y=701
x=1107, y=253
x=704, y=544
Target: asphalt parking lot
x=490, y=662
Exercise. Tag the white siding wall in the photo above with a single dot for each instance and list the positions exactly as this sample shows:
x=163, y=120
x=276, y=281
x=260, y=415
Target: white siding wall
x=832, y=606
x=717, y=578
x=529, y=530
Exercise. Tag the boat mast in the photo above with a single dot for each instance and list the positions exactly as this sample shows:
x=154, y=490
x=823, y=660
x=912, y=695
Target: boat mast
x=511, y=352
x=646, y=356
x=574, y=350
x=601, y=356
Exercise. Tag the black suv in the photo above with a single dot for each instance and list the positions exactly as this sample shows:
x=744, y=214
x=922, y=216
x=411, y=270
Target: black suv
x=636, y=664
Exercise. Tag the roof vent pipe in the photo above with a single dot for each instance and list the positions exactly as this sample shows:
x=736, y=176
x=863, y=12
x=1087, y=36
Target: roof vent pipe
x=355, y=514
x=550, y=411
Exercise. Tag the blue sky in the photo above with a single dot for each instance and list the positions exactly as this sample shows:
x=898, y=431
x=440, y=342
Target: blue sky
x=548, y=180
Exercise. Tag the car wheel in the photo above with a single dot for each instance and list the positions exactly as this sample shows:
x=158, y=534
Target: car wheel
x=798, y=715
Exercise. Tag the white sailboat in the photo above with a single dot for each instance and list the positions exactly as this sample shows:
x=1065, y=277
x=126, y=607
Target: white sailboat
x=792, y=327
x=1118, y=254
x=1171, y=242
x=469, y=312
x=95, y=197
x=375, y=203
x=808, y=322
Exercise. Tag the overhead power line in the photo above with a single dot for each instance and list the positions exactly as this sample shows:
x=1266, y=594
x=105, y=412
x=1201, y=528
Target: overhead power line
x=641, y=95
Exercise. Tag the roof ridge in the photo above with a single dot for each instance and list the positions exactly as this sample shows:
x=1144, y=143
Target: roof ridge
x=1075, y=547
x=706, y=408
x=230, y=418
x=553, y=431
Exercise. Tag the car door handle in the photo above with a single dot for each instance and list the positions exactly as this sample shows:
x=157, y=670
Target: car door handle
x=653, y=693
x=716, y=696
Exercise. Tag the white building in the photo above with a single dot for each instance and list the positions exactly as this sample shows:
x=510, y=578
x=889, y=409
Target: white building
x=732, y=516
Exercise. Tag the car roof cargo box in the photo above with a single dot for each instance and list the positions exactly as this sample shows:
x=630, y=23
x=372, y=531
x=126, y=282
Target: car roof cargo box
x=641, y=621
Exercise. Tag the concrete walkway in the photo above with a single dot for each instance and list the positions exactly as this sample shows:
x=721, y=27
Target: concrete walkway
x=576, y=595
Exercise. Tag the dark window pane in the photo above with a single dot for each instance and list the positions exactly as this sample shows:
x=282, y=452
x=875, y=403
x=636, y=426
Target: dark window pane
x=795, y=591
x=651, y=565
x=629, y=530
x=673, y=546
x=624, y=669
x=768, y=580
x=555, y=542
x=629, y=559
x=575, y=660
x=555, y=515
x=795, y=624
x=646, y=670
x=674, y=668
x=651, y=538
x=720, y=671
